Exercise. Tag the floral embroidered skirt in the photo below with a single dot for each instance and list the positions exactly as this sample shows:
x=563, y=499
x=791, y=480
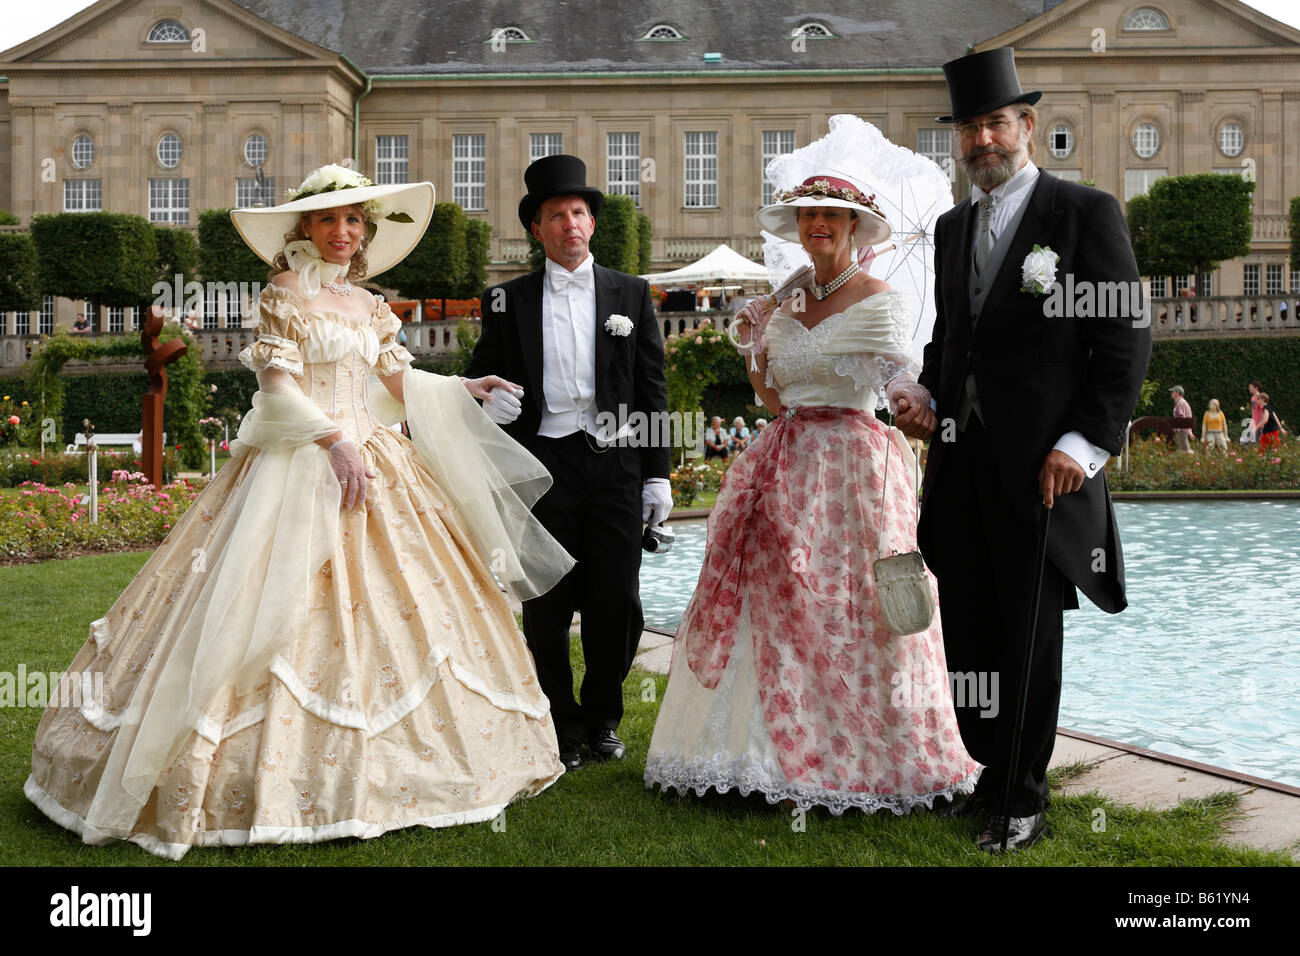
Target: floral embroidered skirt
x=785, y=679
x=408, y=699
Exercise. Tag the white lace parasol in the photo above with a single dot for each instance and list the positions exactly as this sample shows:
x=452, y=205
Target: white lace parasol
x=910, y=189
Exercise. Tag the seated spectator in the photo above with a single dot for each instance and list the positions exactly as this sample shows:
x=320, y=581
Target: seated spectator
x=1214, y=427
x=759, y=425
x=81, y=326
x=715, y=440
x=739, y=435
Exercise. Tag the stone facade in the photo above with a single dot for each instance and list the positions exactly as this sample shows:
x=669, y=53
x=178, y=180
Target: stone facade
x=98, y=76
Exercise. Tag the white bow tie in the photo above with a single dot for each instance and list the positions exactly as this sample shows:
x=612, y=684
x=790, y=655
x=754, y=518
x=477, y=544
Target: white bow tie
x=561, y=279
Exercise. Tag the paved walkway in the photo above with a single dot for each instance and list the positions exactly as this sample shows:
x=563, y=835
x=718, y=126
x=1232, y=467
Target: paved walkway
x=1135, y=776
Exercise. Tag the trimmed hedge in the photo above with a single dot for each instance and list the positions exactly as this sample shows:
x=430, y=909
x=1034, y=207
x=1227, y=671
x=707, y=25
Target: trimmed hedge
x=109, y=258
x=616, y=243
x=222, y=255
x=1220, y=368
x=19, y=285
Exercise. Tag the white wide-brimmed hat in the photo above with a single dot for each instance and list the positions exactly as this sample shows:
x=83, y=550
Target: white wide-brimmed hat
x=396, y=214
x=833, y=188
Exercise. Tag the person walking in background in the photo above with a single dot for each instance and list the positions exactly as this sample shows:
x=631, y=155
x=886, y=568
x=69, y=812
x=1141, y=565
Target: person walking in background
x=1214, y=427
x=1270, y=429
x=1182, y=409
x=1256, y=411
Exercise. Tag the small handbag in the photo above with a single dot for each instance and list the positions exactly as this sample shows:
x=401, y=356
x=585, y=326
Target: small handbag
x=901, y=582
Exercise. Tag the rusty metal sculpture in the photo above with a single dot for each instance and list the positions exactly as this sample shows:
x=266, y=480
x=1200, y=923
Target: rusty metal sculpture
x=156, y=357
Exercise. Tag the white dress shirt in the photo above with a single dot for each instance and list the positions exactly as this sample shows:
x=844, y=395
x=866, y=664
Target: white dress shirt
x=1010, y=195
x=568, y=349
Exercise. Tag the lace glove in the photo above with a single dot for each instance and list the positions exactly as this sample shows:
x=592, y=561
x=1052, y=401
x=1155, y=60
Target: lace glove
x=502, y=404
x=917, y=395
x=656, y=501
x=351, y=472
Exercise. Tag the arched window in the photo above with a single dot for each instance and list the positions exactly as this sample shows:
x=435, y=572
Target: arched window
x=1146, y=18
x=83, y=151
x=168, y=31
x=1232, y=139
x=169, y=150
x=812, y=29
x=255, y=150
x=1146, y=140
x=662, y=31
x=510, y=35
x=1060, y=141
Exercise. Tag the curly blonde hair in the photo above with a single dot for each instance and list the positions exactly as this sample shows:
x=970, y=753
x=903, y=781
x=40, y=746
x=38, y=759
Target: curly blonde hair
x=358, y=267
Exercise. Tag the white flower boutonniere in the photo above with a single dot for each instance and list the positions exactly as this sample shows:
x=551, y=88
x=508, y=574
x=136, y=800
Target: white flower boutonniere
x=1038, y=271
x=619, y=325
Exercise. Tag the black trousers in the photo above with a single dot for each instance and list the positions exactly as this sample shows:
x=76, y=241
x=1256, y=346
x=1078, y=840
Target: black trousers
x=984, y=566
x=594, y=510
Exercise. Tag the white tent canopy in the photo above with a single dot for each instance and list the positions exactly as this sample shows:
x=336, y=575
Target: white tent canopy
x=723, y=266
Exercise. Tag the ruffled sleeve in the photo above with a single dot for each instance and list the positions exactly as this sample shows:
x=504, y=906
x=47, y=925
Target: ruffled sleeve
x=393, y=356
x=879, y=329
x=279, y=333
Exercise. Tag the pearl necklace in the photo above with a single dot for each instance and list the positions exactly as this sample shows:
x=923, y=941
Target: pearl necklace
x=821, y=292
x=344, y=289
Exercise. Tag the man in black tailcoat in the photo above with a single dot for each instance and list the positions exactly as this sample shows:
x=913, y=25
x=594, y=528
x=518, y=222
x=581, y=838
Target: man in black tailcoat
x=583, y=345
x=1025, y=393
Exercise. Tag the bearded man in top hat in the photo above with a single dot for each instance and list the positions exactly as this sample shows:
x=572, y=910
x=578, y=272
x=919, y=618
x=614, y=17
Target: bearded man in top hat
x=581, y=345
x=1025, y=402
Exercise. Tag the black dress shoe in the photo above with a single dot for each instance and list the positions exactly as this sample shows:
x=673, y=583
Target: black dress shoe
x=605, y=745
x=1024, y=832
x=570, y=754
x=973, y=805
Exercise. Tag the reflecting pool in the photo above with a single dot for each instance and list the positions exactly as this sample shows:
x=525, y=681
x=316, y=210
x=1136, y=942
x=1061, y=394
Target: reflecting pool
x=1205, y=662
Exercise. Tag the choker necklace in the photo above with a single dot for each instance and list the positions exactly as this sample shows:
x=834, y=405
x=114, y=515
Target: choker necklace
x=344, y=289
x=820, y=292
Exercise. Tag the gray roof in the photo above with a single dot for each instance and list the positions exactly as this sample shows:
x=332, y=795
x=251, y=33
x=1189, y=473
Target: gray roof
x=596, y=36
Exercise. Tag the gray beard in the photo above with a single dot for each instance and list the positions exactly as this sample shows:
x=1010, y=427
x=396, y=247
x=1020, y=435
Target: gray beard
x=988, y=176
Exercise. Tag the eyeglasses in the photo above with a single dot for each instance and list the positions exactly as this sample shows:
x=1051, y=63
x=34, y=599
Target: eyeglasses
x=971, y=130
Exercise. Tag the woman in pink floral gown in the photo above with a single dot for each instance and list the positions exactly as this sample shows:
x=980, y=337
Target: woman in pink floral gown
x=785, y=679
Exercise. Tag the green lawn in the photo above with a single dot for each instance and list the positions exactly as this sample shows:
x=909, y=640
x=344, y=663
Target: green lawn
x=601, y=815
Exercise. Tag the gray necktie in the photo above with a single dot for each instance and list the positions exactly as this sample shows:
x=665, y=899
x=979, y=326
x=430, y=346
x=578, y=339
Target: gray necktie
x=984, y=237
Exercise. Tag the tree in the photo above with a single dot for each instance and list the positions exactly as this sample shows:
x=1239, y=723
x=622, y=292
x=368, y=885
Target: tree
x=109, y=258
x=436, y=267
x=9, y=219
x=1192, y=223
x=223, y=256
x=616, y=243
x=19, y=288
x=645, y=232
x=478, y=244
x=178, y=254
x=1139, y=217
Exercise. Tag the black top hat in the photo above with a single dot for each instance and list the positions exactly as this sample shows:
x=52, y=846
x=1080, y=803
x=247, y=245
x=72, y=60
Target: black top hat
x=557, y=175
x=984, y=82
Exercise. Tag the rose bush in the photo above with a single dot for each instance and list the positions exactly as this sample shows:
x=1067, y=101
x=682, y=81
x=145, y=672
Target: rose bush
x=38, y=521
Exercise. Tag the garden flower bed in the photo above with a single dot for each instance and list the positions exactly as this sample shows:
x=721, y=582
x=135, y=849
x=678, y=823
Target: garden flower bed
x=39, y=521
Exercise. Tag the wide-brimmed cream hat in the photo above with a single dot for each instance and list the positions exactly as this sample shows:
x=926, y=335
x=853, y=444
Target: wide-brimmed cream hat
x=832, y=188
x=397, y=214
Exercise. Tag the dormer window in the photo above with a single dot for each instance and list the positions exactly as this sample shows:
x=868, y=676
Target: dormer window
x=168, y=31
x=813, y=30
x=1145, y=18
x=510, y=35
x=663, y=31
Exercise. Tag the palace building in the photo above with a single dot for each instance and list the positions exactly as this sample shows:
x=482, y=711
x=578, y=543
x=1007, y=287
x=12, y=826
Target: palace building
x=167, y=107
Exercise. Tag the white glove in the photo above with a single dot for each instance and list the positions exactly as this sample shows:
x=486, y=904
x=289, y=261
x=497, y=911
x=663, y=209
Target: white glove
x=351, y=472
x=502, y=405
x=917, y=395
x=656, y=501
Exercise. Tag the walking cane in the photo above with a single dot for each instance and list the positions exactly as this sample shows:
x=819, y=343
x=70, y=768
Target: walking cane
x=1040, y=561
